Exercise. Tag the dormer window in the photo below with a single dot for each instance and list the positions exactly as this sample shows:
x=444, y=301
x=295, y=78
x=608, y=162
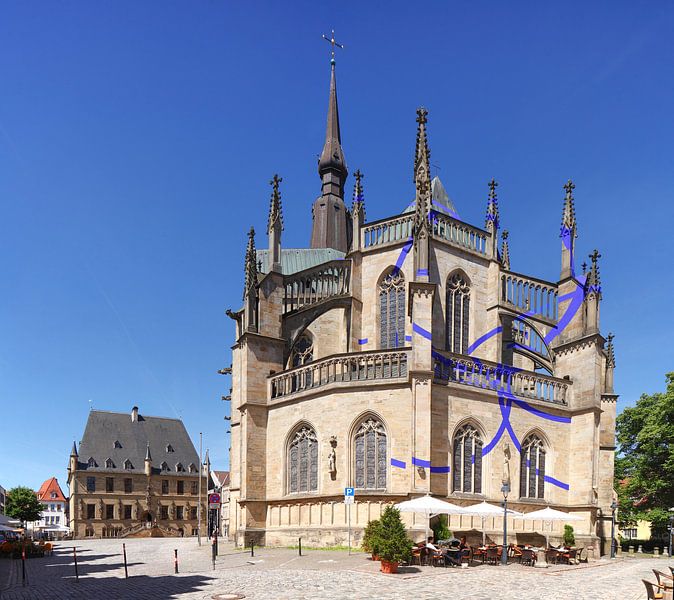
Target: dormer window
x=164, y=466
x=169, y=448
x=53, y=494
x=91, y=463
x=127, y=465
x=192, y=468
x=109, y=464
x=117, y=444
x=180, y=468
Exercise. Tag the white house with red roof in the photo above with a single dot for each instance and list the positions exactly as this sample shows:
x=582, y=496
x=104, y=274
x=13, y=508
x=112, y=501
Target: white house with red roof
x=54, y=521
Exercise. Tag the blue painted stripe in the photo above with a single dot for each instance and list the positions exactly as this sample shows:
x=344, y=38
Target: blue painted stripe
x=421, y=331
x=479, y=341
x=408, y=338
x=422, y=272
x=557, y=482
x=539, y=413
x=440, y=469
x=401, y=464
x=420, y=462
x=362, y=341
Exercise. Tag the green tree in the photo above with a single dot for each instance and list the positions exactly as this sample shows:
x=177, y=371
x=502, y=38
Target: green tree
x=645, y=460
x=22, y=504
x=392, y=542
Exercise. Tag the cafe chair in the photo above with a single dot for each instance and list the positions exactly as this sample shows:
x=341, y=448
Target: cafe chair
x=651, y=590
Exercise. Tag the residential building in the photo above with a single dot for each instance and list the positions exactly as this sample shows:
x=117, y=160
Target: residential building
x=408, y=355
x=220, y=485
x=134, y=475
x=53, y=523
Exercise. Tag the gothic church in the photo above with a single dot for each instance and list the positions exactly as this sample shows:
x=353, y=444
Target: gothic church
x=403, y=356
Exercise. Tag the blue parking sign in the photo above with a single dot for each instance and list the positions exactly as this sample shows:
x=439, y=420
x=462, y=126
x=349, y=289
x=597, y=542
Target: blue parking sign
x=349, y=492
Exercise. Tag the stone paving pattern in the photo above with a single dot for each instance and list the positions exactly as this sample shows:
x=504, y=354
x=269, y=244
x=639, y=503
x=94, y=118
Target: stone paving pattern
x=282, y=574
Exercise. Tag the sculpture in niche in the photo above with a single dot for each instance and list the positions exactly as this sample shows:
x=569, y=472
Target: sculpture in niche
x=332, y=458
x=506, y=466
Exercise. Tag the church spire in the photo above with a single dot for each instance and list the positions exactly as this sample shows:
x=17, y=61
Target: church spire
x=250, y=291
x=592, y=295
x=593, y=282
x=422, y=181
x=275, y=226
x=610, y=365
x=358, y=197
x=492, y=218
x=505, y=251
x=568, y=232
x=329, y=229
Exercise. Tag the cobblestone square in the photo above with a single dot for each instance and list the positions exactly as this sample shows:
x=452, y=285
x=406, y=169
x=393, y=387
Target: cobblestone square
x=283, y=574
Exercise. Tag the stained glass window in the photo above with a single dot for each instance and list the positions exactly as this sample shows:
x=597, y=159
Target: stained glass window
x=532, y=468
x=457, y=313
x=303, y=461
x=392, y=310
x=467, y=461
x=370, y=455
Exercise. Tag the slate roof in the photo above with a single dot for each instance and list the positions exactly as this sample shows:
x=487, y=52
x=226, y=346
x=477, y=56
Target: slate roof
x=105, y=428
x=441, y=202
x=49, y=486
x=294, y=260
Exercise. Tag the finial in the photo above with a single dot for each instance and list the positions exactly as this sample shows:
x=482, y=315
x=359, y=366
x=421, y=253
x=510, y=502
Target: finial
x=569, y=186
x=568, y=213
x=358, y=186
x=250, y=262
x=275, y=212
x=422, y=155
x=610, y=352
x=584, y=266
x=333, y=43
x=492, y=207
x=148, y=456
x=505, y=251
x=422, y=113
x=593, y=283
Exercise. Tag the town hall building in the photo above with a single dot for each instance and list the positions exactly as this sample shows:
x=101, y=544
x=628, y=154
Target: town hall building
x=405, y=356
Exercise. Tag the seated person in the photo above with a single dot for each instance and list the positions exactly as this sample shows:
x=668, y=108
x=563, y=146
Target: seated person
x=430, y=545
x=463, y=545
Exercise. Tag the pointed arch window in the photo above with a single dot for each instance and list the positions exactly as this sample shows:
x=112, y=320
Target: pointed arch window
x=457, y=313
x=467, y=461
x=392, y=310
x=303, y=351
x=303, y=461
x=370, y=455
x=532, y=468
x=109, y=464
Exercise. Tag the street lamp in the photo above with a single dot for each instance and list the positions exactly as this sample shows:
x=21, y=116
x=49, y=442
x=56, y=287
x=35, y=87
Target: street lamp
x=504, y=553
x=614, y=506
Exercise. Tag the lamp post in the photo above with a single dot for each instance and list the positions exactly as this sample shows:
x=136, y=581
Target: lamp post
x=614, y=506
x=504, y=553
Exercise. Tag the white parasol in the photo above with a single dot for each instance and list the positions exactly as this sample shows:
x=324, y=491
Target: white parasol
x=484, y=510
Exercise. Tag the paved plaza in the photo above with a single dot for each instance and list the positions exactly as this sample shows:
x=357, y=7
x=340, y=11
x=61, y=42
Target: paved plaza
x=283, y=574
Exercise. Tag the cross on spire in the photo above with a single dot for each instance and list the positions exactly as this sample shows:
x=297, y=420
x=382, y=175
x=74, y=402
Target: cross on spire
x=492, y=188
x=594, y=256
x=333, y=43
x=421, y=115
x=569, y=186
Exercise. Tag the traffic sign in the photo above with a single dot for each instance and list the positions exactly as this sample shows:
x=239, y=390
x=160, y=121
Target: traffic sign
x=349, y=491
x=214, y=499
x=349, y=495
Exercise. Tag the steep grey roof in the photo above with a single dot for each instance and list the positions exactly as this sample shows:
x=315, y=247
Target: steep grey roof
x=294, y=260
x=105, y=428
x=441, y=202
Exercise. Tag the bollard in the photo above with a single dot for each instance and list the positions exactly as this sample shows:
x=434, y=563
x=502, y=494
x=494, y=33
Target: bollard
x=640, y=549
x=77, y=575
x=630, y=550
x=23, y=564
x=175, y=560
x=300, y=546
x=126, y=571
x=252, y=548
x=656, y=551
x=213, y=550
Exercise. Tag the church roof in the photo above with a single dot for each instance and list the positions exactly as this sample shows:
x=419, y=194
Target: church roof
x=294, y=260
x=441, y=202
x=115, y=436
x=49, y=487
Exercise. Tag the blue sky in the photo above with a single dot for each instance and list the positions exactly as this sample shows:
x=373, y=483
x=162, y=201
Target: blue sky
x=137, y=140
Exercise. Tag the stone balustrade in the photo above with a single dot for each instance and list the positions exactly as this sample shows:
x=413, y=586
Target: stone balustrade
x=458, y=368
x=458, y=233
x=387, y=231
x=383, y=365
x=529, y=295
x=316, y=284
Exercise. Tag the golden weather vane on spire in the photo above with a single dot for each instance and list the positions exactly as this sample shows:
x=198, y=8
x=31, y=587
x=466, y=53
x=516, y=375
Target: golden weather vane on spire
x=333, y=43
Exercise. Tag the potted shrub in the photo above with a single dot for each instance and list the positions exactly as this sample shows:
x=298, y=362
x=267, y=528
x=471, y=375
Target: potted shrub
x=391, y=541
x=569, y=537
x=369, y=542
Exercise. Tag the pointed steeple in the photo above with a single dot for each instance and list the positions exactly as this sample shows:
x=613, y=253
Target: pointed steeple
x=492, y=219
x=592, y=296
x=250, y=263
x=505, y=251
x=148, y=456
x=358, y=197
x=275, y=211
x=73, y=452
x=330, y=228
x=568, y=233
x=275, y=226
x=422, y=181
x=332, y=164
x=569, y=211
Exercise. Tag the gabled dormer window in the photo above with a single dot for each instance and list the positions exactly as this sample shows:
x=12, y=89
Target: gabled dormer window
x=169, y=448
x=192, y=468
x=127, y=465
x=164, y=466
x=109, y=464
x=180, y=468
x=117, y=444
x=91, y=463
x=53, y=494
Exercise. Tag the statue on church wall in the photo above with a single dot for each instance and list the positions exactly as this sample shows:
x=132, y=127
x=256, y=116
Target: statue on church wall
x=506, y=466
x=332, y=458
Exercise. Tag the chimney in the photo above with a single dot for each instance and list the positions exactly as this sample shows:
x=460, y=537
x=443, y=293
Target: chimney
x=134, y=414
